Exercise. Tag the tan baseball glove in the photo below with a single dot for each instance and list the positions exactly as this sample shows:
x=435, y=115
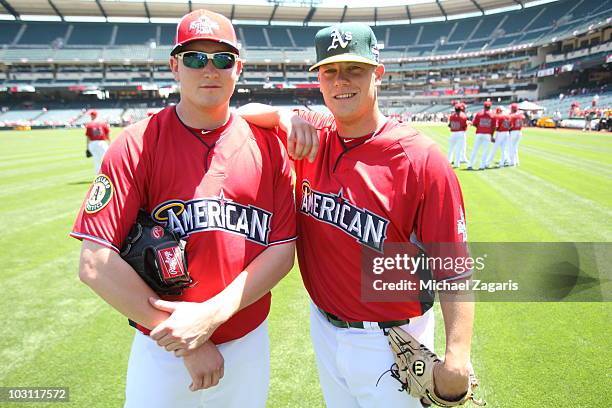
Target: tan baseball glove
x=414, y=365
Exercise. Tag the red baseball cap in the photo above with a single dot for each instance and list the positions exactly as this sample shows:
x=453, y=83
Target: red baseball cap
x=93, y=112
x=499, y=109
x=514, y=107
x=205, y=25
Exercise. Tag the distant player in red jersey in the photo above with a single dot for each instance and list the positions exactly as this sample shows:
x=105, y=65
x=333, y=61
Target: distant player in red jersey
x=517, y=121
x=457, y=122
x=484, y=121
x=225, y=187
x=502, y=136
x=373, y=182
x=97, y=135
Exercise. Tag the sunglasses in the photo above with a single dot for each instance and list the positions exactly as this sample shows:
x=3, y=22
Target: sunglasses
x=198, y=59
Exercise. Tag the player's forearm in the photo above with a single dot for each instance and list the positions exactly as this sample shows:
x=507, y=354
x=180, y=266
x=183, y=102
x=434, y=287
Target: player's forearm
x=458, y=325
x=258, y=278
x=113, y=280
x=265, y=116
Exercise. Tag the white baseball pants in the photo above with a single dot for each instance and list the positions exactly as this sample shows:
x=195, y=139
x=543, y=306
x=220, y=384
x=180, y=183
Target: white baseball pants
x=351, y=362
x=456, y=147
x=158, y=379
x=501, y=138
x=481, y=140
x=515, y=138
x=97, y=148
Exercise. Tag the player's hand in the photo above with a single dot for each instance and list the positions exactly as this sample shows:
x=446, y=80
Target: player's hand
x=451, y=381
x=190, y=325
x=205, y=366
x=302, y=137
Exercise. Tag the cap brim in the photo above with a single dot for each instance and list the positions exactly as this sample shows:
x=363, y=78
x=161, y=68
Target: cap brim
x=343, y=58
x=177, y=47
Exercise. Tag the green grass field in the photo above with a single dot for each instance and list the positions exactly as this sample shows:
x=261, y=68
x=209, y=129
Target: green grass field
x=56, y=332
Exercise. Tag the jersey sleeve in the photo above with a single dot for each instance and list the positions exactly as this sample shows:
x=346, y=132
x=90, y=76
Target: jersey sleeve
x=440, y=222
x=317, y=119
x=112, y=202
x=476, y=121
x=283, y=228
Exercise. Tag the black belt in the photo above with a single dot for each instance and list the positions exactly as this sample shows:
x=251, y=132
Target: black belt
x=336, y=321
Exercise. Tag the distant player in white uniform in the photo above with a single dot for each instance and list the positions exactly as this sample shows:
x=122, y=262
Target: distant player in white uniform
x=517, y=121
x=97, y=133
x=502, y=135
x=484, y=121
x=457, y=123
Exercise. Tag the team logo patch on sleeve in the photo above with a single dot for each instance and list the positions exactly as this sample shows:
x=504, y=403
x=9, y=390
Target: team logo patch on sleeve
x=99, y=195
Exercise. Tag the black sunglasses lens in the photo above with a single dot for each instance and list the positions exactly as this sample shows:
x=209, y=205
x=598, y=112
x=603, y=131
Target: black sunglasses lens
x=224, y=60
x=195, y=60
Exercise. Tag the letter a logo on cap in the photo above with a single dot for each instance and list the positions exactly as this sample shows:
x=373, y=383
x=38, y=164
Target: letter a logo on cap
x=203, y=25
x=340, y=38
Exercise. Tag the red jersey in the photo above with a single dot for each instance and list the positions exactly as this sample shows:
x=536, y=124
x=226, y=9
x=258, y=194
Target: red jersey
x=97, y=131
x=228, y=192
x=503, y=122
x=457, y=122
x=484, y=122
x=517, y=120
x=395, y=186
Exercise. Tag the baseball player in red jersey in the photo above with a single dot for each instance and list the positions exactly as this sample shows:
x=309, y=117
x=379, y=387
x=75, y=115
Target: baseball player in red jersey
x=502, y=127
x=517, y=120
x=373, y=181
x=484, y=121
x=97, y=135
x=457, y=122
x=223, y=185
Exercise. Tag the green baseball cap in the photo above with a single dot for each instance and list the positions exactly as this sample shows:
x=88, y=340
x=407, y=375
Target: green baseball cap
x=346, y=42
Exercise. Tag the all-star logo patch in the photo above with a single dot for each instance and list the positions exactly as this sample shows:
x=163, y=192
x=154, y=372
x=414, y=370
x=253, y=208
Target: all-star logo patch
x=215, y=214
x=99, y=195
x=366, y=227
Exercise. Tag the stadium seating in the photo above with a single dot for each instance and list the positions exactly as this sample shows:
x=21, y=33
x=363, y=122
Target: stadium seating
x=42, y=33
x=279, y=36
x=253, y=36
x=90, y=34
x=135, y=34
x=8, y=32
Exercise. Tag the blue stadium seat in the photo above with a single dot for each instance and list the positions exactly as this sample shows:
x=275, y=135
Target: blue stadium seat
x=434, y=31
x=447, y=49
x=517, y=21
x=42, y=33
x=474, y=45
x=254, y=36
x=304, y=36
x=532, y=36
x=168, y=34
x=380, y=33
x=464, y=29
x=135, y=34
x=553, y=13
x=8, y=31
x=278, y=36
x=489, y=23
x=403, y=35
x=90, y=34
x=504, y=41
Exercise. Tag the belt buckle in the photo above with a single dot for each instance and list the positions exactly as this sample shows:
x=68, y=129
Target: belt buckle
x=371, y=325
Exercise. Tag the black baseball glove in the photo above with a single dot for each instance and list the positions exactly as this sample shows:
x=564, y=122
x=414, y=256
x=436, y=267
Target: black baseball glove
x=88, y=153
x=157, y=254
